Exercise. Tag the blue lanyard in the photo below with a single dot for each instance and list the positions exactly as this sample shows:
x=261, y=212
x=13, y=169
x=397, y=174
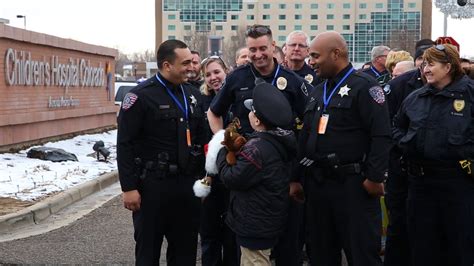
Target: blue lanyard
x=276, y=74
x=377, y=74
x=326, y=100
x=185, y=109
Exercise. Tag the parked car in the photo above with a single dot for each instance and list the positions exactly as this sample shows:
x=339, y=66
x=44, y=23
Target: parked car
x=121, y=89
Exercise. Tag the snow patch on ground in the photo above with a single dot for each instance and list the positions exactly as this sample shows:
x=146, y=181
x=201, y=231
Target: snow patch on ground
x=30, y=179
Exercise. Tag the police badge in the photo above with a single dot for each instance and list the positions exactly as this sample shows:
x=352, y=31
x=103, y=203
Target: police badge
x=281, y=83
x=459, y=105
x=309, y=78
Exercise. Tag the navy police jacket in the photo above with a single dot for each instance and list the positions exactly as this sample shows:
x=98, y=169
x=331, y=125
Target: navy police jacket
x=437, y=126
x=150, y=123
x=239, y=86
x=358, y=128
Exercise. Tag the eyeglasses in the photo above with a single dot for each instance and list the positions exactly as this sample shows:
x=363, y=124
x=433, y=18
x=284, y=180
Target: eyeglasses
x=212, y=57
x=257, y=31
x=442, y=48
x=294, y=45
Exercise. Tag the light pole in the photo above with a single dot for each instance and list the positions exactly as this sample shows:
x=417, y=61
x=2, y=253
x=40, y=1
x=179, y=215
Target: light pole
x=24, y=19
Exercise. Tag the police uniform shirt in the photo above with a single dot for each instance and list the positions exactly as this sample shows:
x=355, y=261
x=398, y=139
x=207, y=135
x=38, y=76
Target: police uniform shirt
x=437, y=125
x=239, y=85
x=307, y=73
x=150, y=122
x=381, y=77
x=400, y=87
x=358, y=127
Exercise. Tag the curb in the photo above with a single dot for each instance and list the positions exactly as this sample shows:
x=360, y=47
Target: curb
x=43, y=209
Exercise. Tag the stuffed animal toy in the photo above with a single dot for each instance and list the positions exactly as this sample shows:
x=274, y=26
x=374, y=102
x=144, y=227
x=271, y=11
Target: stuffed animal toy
x=233, y=141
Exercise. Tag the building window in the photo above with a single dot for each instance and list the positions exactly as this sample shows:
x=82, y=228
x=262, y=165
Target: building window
x=330, y=27
x=411, y=5
x=298, y=27
x=281, y=27
x=250, y=6
x=172, y=17
x=329, y=16
x=282, y=6
x=346, y=5
x=265, y=17
x=346, y=27
x=219, y=27
x=313, y=27
x=298, y=17
x=171, y=27
x=234, y=27
x=266, y=6
x=281, y=38
x=363, y=16
x=186, y=38
x=250, y=17
x=379, y=5
x=331, y=6
x=281, y=17
x=314, y=6
x=298, y=6
x=314, y=16
x=234, y=17
x=362, y=5
x=187, y=27
x=171, y=37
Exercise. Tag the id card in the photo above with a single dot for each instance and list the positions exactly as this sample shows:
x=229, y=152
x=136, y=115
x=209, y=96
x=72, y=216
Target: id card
x=323, y=123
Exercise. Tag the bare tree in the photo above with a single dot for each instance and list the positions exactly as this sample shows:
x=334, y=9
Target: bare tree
x=403, y=39
x=232, y=44
x=123, y=59
x=197, y=41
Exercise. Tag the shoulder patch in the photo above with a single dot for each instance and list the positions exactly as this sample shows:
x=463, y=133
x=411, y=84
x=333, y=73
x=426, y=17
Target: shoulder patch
x=128, y=101
x=377, y=94
x=304, y=89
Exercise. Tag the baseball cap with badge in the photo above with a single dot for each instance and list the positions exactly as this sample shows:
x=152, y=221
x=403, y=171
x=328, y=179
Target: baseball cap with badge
x=270, y=106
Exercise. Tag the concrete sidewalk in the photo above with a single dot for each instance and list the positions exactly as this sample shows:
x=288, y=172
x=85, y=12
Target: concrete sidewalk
x=34, y=214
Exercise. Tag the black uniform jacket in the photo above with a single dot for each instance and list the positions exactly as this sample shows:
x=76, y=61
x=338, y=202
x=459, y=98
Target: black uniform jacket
x=239, y=86
x=400, y=87
x=309, y=75
x=259, y=184
x=437, y=125
x=381, y=77
x=150, y=122
x=358, y=128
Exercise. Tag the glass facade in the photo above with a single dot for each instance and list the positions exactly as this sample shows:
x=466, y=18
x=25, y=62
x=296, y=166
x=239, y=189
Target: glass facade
x=202, y=12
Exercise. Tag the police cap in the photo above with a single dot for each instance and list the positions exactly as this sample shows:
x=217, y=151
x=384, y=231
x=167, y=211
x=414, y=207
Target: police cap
x=270, y=106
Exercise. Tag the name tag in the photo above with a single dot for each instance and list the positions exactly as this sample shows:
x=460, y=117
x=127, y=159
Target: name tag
x=323, y=123
x=244, y=89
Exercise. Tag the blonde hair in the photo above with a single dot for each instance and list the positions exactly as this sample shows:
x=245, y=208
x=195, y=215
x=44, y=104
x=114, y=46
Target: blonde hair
x=394, y=57
x=205, y=90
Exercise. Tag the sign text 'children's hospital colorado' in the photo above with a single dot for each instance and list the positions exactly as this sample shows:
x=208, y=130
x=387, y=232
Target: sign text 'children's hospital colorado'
x=21, y=70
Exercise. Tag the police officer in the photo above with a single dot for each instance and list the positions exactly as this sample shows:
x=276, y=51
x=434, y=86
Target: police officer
x=377, y=68
x=296, y=51
x=397, y=248
x=344, y=154
x=239, y=87
x=159, y=154
x=434, y=129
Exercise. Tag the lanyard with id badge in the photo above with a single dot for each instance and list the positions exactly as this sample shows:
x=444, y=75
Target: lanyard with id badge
x=324, y=119
x=180, y=106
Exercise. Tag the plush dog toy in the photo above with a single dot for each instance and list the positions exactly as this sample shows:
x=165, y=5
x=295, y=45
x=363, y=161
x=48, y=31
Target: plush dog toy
x=233, y=141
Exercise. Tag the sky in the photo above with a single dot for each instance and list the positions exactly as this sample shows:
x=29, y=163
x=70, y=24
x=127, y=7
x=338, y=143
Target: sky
x=31, y=179
x=130, y=25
